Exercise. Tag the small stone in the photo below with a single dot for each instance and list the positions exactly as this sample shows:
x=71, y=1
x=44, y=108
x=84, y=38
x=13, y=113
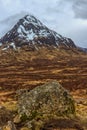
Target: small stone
x=17, y=119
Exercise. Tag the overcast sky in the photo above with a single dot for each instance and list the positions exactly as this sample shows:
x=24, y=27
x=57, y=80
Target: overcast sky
x=67, y=17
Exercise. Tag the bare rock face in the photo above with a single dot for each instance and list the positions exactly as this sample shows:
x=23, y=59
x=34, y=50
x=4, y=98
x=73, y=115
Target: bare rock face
x=43, y=103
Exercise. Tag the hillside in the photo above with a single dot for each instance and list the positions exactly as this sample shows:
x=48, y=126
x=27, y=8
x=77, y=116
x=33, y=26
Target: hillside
x=27, y=69
x=30, y=55
x=23, y=68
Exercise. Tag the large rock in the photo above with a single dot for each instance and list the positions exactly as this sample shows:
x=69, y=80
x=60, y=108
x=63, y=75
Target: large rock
x=43, y=103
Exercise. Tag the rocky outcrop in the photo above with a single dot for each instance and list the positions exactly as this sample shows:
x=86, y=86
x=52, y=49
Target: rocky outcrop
x=43, y=103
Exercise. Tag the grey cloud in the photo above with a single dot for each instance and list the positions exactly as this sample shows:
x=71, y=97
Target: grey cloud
x=79, y=36
x=79, y=7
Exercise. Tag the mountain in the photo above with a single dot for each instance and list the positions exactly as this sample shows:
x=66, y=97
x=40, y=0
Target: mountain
x=81, y=49
x=85, y=49
x=30, y=31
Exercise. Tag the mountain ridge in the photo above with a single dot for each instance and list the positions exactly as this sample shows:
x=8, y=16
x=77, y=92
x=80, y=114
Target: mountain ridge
x=29, y=30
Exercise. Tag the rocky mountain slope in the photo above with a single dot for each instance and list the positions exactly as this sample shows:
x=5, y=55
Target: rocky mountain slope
x=30, y=31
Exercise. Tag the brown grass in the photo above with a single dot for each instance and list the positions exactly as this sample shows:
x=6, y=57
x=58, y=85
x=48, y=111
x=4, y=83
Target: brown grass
x=26, y=69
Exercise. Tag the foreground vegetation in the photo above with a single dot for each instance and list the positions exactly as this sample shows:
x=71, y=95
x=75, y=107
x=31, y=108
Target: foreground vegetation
x=24, y=69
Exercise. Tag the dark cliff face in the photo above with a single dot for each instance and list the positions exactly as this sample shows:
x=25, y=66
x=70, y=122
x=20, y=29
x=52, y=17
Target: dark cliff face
x=30, y=30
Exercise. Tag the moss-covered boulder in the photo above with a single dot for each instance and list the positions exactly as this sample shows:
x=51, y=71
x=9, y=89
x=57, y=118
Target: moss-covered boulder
x=43, y=103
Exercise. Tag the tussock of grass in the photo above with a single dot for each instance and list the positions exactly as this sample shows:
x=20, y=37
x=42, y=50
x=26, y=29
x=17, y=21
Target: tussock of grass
x=11, y=105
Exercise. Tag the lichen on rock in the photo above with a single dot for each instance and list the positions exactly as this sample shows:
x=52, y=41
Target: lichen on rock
x=45, y=102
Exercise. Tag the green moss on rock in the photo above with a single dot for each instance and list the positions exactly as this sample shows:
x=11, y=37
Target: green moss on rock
x=46, y=102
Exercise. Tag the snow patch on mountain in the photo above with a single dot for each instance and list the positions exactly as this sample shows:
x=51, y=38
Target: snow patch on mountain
x=13, y=45
x=29, y=35
x=5, y=48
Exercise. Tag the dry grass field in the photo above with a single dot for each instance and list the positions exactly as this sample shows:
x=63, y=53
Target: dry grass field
x=27, y=69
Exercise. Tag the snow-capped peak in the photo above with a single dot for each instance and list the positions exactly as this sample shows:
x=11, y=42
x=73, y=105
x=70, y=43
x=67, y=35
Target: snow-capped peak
x=30, y=30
